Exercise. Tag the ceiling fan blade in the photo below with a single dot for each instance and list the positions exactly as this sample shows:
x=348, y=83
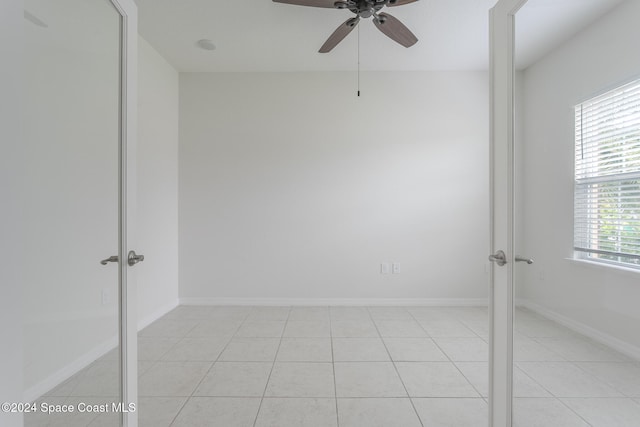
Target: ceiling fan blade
x=395, y=30
x=339, y=34
x=313, y=3
x=392, y=3
x=34, y=19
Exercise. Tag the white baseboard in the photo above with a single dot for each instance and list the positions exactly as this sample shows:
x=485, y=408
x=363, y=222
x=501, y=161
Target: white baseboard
x=520, y=302
x=69, y=370
x=430, y=302
x=88, y=358
x=149, y=319
x=586, y=330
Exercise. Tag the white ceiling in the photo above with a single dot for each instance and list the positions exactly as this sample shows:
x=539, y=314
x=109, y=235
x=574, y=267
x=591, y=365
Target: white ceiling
x=259, y=35
x=541, y=25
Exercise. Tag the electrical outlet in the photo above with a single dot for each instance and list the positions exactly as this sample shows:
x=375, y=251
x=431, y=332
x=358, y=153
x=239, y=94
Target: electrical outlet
x=106, y=297
x=395, y=268
x=384, y=268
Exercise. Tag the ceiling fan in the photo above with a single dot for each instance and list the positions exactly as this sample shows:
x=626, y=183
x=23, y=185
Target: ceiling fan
x=390, y=26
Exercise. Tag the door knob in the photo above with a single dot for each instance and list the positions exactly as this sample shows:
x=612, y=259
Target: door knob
x=499, y=258
x=523, y=259
x=113, y=258
x=133, y=258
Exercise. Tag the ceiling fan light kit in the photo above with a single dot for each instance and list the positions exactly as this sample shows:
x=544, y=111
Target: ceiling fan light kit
x=387, y=24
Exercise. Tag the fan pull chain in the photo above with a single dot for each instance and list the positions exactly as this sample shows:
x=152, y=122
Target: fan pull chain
x=358, y=60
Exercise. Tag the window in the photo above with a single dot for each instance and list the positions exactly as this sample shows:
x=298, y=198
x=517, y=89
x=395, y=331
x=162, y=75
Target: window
x=607, y=177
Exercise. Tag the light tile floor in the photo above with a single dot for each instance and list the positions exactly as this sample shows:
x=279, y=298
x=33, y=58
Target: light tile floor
x=354, y=367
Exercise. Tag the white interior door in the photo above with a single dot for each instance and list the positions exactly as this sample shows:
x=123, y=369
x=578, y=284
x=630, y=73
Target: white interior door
x=128, y=321
x=502, y=211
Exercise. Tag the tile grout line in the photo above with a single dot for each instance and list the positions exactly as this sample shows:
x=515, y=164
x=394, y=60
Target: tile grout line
x=515, y=366
x=180, y=339
x=415, y=410
x=275, y=356
x=153, y=363
x=333, y=366
x=349, y=397
x=574, y=363
x=553, y=396
x=600, y=379
x=559, y=399
x=208, y=370
x=159, y=359
x=454, y=363
x=546, y=347
x=570, y=409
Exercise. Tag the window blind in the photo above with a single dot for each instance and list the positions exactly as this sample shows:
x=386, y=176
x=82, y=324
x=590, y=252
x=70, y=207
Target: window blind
x=607, y=176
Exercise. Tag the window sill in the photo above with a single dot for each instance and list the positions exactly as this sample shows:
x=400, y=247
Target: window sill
x=618, y=269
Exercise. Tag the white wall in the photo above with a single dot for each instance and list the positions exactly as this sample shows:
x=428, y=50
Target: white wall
x=157, y=228
x=293, y=187
x=11, y=249
x=601, y=57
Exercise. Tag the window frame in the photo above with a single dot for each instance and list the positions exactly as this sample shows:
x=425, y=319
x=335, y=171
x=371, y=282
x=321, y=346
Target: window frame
x=586, y=252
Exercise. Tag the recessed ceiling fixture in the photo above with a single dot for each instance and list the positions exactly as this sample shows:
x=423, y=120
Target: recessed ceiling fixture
x=206, y=44
x=390, y=26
